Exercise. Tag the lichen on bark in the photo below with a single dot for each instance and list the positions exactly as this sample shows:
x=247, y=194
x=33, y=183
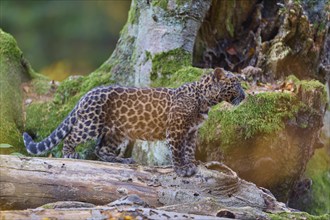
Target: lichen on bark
x=154, y=28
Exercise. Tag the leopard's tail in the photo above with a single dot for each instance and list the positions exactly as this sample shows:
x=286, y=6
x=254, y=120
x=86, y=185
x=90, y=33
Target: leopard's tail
x=53, y=139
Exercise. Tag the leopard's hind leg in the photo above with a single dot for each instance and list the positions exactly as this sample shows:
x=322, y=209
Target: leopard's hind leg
x=111, y=146
x=79, y=134
x=69, y=149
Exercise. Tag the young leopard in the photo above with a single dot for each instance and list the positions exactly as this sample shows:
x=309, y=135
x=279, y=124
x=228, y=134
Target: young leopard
x=115, y=115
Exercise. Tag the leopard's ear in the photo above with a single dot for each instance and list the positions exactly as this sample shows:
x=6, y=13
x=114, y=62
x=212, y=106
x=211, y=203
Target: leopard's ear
x=219, y=74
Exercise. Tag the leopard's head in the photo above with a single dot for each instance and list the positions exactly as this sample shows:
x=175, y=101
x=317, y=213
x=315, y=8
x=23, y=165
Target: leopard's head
x=221, y=85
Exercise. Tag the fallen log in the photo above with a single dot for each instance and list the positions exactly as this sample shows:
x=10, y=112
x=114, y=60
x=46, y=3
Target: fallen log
x=29, y=182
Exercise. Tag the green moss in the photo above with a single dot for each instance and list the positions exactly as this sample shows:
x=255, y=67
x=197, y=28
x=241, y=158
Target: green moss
x=183, y=75
x=67, y=90
x=167, y=63
x=133, y=14
x=313, y=85
x=262, y=113
x=297, y=216
x=43, y=118
x=41, y=86
x=160, y=3
x=318, y=169
x=95, y=79
x=8, y=47
x=148, y=55
x=10, y=134
x=309, y=86
x=14, y=69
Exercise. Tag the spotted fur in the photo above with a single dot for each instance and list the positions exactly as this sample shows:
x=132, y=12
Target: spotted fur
x=116, y=115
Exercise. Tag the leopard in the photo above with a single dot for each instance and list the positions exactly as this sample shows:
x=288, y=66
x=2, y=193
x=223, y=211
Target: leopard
x=114, y=115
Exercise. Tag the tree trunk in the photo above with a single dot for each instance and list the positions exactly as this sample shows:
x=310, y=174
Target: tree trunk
x=32, y=182
x=155, y=27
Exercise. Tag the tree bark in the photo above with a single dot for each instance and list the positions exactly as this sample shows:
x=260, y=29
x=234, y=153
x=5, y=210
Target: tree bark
x=31, y=182
x=154, y=27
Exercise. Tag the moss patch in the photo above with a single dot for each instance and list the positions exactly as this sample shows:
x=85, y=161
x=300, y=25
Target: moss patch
x=133, y=14
x=166, y=63
x=41, y=86
x=9, y=48
x=310, y=86
x=14, y=69
x=262, y=113
x=183, y=75
x=297, y=216
x=318, y=169
x=160, y=3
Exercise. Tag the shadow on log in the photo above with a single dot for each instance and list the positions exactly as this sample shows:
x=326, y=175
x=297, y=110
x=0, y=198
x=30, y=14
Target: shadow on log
x=31, y=182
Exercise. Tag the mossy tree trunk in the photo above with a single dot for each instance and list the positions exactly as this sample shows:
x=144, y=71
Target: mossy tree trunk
x=157, y=31
x=14, y=70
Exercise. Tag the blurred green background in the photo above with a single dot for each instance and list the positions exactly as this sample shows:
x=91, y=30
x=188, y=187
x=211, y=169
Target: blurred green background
x=64, y=37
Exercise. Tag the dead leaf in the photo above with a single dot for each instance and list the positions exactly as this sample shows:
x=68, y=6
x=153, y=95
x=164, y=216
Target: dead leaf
x=231, y=51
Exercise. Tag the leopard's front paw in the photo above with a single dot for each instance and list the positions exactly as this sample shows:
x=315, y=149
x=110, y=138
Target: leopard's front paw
x=186, y=170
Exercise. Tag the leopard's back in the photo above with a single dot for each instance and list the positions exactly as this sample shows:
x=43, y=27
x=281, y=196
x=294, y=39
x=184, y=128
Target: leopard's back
x=140, y=113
